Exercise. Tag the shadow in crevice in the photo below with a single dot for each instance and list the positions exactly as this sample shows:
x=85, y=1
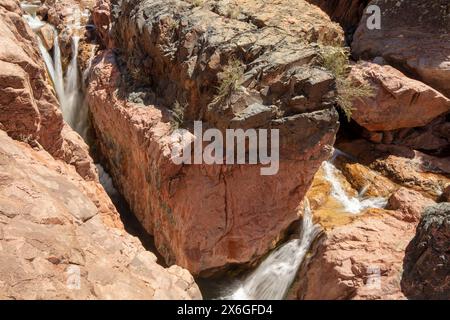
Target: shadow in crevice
x=129, y=220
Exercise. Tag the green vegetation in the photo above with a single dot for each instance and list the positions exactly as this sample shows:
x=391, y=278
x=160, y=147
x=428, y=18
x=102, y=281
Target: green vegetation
x=177, y=115
x=230, y=80
x=336, y=60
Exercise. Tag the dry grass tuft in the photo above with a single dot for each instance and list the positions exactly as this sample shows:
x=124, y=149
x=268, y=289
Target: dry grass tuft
x=230, y=80
x=336, y=60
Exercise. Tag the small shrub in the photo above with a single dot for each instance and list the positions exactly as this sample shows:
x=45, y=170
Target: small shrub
x=177, y=115
x=230, y=80
x=348, y=92
x=336, y=60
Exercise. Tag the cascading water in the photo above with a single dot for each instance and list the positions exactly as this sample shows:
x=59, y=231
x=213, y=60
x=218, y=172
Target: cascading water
x=73, y=95
x=69, y=108
x=59, y=75
x=68, y=92
x=352, y=205
x=274, y=276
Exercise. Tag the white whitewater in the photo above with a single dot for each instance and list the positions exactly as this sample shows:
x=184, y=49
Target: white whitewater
x=68, y=90
x=53, y=64
x=351, y=204
x=59, y=75
x=72, y=87
x=274, y=276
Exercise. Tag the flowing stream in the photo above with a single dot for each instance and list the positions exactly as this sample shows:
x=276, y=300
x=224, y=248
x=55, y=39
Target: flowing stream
x=352, y=205
x=274, y=276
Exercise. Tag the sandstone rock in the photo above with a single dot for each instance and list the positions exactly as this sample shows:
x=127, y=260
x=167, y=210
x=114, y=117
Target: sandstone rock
x=57, y=243
x=296, y=17
x=411, y=203
x=427, y=262
x=414, y=37
x=101, y=16
x=29, y=110
x=203, y=217
x=361, y=260
x=397, y=102
x=434, y=137
x=426, y=174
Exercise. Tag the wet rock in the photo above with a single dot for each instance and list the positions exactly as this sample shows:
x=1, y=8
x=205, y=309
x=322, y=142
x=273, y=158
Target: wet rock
x=329, y=211
x=397, y=102
x=427, y=262
x=203, y=216
x=414, y=37
x=59, y=243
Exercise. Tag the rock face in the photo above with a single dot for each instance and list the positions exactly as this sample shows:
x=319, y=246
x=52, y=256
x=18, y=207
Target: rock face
x=360, y=260
x=427, y=262
x=56, y=243
x=206, y=217
x=398, y=101
x=414, y=37
x=411, y=203
x=29, y=110
x=60, y=235
x=101, y=17
x=415, y=170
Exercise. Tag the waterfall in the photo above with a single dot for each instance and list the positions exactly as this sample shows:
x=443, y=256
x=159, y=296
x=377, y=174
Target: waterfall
x=72, y=88
x=68, y=90
x=352, y=205
x=59, y=75
x=274, y=276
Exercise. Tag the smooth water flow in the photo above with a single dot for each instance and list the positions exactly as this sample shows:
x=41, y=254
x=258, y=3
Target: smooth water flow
x=59, y=75
x=274, y=276
x=72, y=87
x=68, y=89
